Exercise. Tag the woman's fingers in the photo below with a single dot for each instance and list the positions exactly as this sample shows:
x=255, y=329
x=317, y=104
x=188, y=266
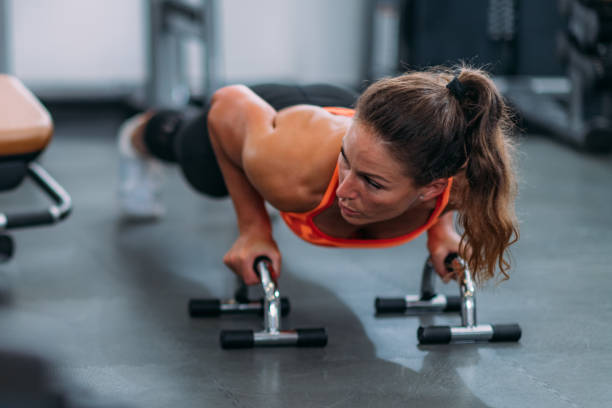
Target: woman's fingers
x=438, y=264
x=249, y=276
x=276, y=266
x=449, y=276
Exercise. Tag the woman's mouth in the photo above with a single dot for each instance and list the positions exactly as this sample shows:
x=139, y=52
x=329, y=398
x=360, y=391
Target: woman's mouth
x=347, y=211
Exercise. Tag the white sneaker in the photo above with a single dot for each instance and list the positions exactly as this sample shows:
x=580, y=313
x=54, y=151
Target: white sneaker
x=140, y=177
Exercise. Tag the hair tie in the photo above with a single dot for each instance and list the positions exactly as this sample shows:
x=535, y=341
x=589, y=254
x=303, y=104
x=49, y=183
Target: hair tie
x=456, y=88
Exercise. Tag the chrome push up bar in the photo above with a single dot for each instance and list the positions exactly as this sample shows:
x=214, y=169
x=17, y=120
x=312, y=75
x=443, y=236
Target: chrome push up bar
x=429, y=301
x=272, y=307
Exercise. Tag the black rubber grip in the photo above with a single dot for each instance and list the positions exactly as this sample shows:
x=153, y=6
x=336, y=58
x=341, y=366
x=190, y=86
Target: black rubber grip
x=235, y=339
x=448, y=261
x=259, y=259
x=506, y=332
x=311, y=337
x=204, y=307
x=390, y=305
x=453, y=304
x=29, y=219
x=7, y=248
x=434, y=334
x=285, y=307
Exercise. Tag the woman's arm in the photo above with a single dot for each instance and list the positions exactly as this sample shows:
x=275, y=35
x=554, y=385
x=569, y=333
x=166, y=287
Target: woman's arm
x=442, y=239
x=285, y=158
x=237, y=114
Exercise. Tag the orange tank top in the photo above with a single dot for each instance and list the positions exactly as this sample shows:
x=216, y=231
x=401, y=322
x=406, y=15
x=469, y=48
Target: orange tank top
x=303, y=226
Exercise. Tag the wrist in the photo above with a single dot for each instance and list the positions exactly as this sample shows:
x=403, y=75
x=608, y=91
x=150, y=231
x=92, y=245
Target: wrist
x=257, y=227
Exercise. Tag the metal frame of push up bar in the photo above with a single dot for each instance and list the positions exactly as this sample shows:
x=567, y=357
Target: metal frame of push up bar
x=271, y=307
x=430, y=302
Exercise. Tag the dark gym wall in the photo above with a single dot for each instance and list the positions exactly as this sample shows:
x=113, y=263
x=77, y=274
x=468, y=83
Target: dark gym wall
x=445, y=31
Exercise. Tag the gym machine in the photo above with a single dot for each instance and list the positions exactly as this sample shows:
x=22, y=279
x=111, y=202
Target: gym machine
x=428, y=301
x=581, y=115
x=25, y=131
x=271, y=307
x=172, y=23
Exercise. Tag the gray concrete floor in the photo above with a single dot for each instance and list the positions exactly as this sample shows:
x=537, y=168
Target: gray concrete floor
x=105, y=301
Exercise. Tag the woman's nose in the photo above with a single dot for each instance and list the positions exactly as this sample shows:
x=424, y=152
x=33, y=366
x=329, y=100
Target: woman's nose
x=346, y=188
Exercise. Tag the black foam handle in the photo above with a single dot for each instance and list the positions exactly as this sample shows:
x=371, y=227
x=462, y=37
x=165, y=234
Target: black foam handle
x=390, y=305
x=235, y=339
x=204, y=307
x=453, y=304
x=434, y=334
x=285, y=306
x=259, y=259
x=7, y=247
x=29, y=219
x=311, y=337
x=506, y=332
x=448, y=261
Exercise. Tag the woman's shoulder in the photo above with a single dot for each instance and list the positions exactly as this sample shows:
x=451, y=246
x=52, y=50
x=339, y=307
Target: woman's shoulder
x=292, y=166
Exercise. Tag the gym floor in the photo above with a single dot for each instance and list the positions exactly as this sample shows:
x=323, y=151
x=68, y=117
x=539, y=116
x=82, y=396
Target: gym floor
x=104, y=302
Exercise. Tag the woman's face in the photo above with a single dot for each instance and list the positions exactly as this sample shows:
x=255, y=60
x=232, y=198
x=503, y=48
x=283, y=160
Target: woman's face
x=372, y=183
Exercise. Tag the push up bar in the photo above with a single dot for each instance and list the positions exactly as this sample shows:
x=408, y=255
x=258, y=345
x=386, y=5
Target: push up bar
x=429, y=301
x=272, y=307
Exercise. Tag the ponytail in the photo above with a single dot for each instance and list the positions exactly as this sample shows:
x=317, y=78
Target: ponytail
x=487, y=212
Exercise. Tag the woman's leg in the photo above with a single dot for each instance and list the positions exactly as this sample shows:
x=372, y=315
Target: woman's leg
x=172, y=137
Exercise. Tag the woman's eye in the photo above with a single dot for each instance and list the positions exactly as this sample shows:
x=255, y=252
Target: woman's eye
x=343, y=164
x=373, y=183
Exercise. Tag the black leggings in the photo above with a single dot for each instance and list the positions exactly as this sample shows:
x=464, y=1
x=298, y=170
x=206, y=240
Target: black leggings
x=183, y=137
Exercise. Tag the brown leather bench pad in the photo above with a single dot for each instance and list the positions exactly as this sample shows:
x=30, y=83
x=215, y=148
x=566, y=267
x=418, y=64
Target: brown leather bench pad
x=25, y=125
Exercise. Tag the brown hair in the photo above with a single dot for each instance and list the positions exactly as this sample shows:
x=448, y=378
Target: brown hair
x=439, y=134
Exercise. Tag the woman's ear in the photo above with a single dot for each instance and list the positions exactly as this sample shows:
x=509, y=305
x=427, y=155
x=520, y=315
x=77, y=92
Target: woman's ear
x=433, y=189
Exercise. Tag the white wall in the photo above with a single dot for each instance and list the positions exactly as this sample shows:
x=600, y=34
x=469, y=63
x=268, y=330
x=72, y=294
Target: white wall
x=99, y=46
x=77, y=43
x=305, y=41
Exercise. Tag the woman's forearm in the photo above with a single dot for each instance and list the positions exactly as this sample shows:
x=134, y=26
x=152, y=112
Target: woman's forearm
x=248, y=203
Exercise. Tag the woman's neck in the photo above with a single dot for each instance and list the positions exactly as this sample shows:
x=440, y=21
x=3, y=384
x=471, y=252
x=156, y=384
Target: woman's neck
x=333, y=224
x=403, y=224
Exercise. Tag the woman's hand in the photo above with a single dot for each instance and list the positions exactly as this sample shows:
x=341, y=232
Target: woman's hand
x=439, y=249
x=442, y=240
x=246, y=249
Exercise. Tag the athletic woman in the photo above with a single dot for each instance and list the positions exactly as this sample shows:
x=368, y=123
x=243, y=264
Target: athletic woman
x=415, y=150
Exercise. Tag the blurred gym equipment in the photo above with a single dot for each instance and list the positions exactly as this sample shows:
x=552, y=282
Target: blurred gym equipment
x=172, y=24
x=553, y=67
x=25, y=130
x=581, y=116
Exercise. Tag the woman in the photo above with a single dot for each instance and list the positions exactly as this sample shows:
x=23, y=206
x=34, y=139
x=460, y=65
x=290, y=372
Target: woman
x=417, y=148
